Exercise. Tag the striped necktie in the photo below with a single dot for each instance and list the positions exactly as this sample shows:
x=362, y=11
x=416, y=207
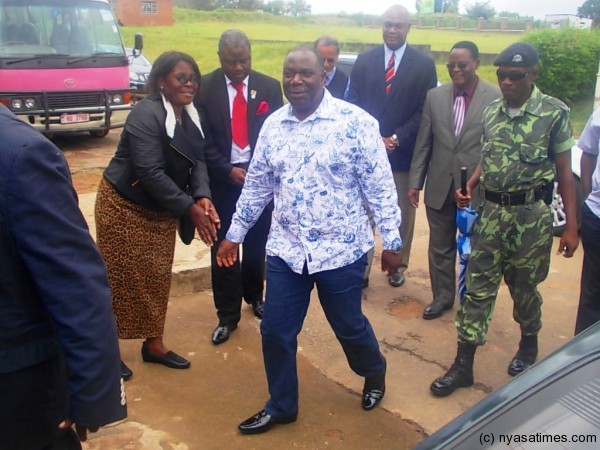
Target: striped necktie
x=390, y=71
x=459, y=112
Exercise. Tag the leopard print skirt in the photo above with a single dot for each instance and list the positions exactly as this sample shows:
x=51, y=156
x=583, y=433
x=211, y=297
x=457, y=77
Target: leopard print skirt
x=138, y=245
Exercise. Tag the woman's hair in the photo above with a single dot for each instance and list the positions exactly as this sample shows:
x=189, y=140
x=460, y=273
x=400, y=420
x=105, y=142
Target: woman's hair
x=163, y=65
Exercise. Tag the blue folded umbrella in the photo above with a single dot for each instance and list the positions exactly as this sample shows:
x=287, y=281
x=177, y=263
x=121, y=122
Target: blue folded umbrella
x=465, y=218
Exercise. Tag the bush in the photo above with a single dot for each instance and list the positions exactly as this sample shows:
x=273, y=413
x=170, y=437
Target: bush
x=568, y=62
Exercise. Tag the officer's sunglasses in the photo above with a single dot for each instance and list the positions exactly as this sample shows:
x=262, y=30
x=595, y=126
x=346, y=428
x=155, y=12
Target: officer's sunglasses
x=460, y=65
x=512, y=76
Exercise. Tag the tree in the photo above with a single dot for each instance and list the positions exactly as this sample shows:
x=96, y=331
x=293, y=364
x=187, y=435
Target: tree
x=590, y=10
x=512, y=15
x=276, y=7
x=451, y=6
x=480, y=9
x=298, y=7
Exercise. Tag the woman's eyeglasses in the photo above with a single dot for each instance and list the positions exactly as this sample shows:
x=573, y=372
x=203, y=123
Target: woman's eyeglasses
x=460, y=65
x=182, y=79
x=512, y=76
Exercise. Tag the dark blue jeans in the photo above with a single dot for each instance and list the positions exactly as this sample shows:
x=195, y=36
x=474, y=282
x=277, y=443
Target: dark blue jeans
x=286, y=305
x=588, y=312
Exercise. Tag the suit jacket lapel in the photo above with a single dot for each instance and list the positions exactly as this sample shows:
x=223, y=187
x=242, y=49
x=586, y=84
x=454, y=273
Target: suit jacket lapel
x=222, y=104
x=474, y=108
x=253, y=100
x=402, y=72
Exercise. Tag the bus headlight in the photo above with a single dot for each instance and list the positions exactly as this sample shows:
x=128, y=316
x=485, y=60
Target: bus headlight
x=30, y=103
x=16, y=103
x=116, y=99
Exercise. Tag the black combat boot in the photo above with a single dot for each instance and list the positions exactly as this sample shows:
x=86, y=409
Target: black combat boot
x=526, y=355
x=459, y=375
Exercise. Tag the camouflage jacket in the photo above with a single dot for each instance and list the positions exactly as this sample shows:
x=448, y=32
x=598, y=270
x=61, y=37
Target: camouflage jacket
x=518, y=153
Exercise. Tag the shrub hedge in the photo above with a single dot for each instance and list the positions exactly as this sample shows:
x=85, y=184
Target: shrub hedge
x=568, y=62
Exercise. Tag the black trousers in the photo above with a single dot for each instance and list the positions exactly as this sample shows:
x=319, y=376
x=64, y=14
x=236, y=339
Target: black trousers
x=245, y=279
x=588, y=312
x=33, y=401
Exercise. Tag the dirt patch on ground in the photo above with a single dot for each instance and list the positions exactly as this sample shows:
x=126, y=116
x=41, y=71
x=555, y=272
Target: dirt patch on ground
x=405, y=307
x=86, y=181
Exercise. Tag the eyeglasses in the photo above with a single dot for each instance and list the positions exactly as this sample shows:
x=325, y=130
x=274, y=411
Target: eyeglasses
x=460, y=65
x=182, y=79
x=329, y=60
x=512, y=76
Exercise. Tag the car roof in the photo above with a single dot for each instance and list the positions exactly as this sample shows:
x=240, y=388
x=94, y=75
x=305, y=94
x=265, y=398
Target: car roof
x=582, y=348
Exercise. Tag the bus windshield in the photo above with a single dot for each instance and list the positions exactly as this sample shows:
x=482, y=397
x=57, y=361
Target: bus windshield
x=67, y=28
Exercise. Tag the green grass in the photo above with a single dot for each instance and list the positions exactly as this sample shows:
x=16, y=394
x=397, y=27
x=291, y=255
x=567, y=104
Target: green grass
x=197, y=33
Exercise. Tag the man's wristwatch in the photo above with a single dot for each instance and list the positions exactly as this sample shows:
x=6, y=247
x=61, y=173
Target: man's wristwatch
x=395, y=140
x=395, y=251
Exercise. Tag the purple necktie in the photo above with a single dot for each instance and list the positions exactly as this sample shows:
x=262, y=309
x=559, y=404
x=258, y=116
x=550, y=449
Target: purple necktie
x=459, y=112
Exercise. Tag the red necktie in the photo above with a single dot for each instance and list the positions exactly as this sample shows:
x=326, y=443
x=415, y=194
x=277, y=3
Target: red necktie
x=239, y=124
x=390, y=71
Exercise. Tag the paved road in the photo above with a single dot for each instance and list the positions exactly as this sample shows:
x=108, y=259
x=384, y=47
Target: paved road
x=200, y=408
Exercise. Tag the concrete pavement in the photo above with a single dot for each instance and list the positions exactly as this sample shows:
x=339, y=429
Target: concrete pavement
x=200, y=408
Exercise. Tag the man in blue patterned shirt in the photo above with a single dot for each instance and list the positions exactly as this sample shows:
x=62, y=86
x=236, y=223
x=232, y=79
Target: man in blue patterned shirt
x=317, y=158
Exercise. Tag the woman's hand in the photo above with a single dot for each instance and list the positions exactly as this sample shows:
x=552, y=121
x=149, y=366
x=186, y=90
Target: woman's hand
x=206, y=220
x=210, y=209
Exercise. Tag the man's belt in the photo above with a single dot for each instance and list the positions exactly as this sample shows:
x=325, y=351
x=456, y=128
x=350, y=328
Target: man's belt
x=516, y=197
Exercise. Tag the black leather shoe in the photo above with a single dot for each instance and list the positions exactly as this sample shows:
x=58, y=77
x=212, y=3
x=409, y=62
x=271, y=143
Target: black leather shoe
x=525, y=357
x=126, y=372
x=374, y=389
x=436, y=309
x=262, y=422
x=396, y=280
x=258, y=307
x=221, y=333
x=169, y=359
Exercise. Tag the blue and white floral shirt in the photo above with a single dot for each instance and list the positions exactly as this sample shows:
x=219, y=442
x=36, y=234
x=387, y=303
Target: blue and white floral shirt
x=320, y=172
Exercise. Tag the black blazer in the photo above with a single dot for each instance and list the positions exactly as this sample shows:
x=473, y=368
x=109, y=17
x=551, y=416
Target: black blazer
x=399, y=111
x=264, y=97
x=337, y=86
x=153, y=170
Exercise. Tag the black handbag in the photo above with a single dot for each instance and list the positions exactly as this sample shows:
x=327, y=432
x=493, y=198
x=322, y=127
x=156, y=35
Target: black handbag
x=186, y=229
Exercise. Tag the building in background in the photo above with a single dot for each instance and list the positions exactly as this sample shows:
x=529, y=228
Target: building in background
x=143, y=12
x=567, y=20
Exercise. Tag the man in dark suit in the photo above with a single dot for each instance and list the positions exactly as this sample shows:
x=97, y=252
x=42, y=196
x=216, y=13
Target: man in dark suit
x=336, y=81
x=449, y=138
x=238, y=100
x=59, y=356
x=390, y=82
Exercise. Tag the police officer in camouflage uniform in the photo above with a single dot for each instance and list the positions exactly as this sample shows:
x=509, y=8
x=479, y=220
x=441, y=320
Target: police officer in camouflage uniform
x=526, y=136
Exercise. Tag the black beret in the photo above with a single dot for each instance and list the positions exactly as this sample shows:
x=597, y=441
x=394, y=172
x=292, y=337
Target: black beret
x=519, y=54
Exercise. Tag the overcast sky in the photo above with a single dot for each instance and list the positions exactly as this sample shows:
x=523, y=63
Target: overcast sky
x=535, y=8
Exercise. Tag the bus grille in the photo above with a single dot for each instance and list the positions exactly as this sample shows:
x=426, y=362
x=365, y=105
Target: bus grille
x=74, y=100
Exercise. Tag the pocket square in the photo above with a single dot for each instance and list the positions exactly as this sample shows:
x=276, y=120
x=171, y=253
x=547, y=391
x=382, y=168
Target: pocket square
x=263, y=108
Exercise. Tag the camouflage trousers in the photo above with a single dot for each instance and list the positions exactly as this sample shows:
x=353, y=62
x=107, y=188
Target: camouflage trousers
x=513, y=242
